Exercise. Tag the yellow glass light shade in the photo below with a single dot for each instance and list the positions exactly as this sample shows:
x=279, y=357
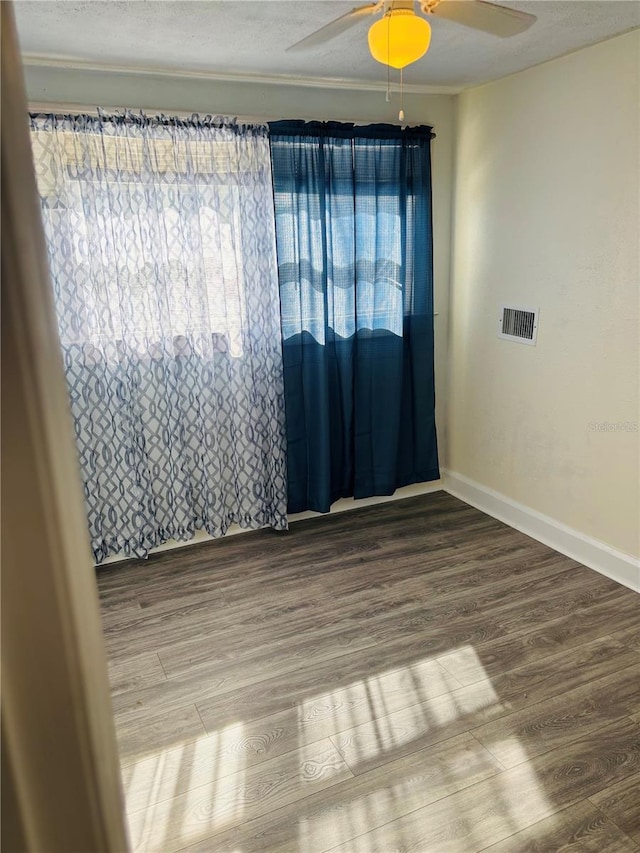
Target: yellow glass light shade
x=400, y=38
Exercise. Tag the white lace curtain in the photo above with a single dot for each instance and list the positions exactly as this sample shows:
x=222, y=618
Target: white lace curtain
x=162, y=254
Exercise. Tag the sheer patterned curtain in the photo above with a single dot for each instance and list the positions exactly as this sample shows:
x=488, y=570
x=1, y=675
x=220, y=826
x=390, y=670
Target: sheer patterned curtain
x=162, y=252
x=354, y=236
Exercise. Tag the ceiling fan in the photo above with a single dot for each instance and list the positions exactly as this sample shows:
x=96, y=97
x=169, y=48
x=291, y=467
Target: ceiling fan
x=404, y=36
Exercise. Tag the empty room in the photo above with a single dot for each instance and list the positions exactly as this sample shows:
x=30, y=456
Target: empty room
x=320, y=426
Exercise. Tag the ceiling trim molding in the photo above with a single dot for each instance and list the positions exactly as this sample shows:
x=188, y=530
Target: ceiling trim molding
x=39, y=61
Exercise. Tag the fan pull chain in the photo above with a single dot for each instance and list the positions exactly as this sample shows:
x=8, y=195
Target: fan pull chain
x=401, y=113
x=388, y=96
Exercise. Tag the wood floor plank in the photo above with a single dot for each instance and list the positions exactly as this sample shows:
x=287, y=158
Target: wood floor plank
x=210, y=758
x=391, y=564
x=503, y=542
x=342, y=812
x=621, y=804
x=277, y=656
x=505, y=601
x=577, y=829
x=549, y=676
x=384, y=738
x=269, y=548
x=384, y=577
x=501, y=806
x=215, y=619
x=239, y=691
x=238, y=684
x=597, y=591
x=553, y=637
x=629, y=637
x=404, y=628
x=550, y=724
x=191, y=763
x=255, y=742
x=158, y=731
x=228, y=801
x=381, y=597
x=328, y=713
x=135, y=671
x=138, y=632
x=274, y=695
x=344, y=677
x=512, y=617
x=500, y=711
x=206, y=585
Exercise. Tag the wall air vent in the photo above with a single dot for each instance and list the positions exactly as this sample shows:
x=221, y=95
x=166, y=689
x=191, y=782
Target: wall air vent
x=517, y=323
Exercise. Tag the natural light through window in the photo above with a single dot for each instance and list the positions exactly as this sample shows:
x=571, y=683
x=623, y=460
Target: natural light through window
x=369, y=735
x=203, y=780
x=181, y=236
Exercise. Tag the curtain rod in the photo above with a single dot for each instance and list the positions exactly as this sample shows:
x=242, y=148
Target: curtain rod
x=81, y=109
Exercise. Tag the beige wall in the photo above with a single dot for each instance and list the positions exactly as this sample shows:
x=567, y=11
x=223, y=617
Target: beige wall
x=57, y=85
x=546, y=214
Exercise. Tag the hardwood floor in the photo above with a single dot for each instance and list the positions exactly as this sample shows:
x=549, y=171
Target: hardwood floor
x=413, y=676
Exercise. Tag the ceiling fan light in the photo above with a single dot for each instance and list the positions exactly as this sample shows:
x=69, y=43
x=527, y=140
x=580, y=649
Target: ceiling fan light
x=400, y=38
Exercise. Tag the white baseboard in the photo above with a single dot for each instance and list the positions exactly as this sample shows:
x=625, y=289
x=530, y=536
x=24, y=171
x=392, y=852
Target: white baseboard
x=342, y=505
x=617, y=565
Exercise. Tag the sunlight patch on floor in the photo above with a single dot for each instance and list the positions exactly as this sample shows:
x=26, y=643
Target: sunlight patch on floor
x=185, y=791
x=373, y=697
x=436, y=709
x=379, y=726
x=345, y=821
x=226, y=787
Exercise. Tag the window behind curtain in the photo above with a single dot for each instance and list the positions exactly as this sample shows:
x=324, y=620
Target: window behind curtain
x=354, y=239
x=162, y=251
x=125, y=195
x=358, y=216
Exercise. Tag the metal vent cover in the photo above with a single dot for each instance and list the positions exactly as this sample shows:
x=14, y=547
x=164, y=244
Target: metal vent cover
x=518, y=323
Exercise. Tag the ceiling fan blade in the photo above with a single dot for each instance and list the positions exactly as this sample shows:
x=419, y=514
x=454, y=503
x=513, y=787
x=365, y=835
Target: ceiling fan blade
x=488, y=17
x=339, y=25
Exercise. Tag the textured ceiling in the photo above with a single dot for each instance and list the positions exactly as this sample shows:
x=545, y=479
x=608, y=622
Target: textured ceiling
x=249, y=37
